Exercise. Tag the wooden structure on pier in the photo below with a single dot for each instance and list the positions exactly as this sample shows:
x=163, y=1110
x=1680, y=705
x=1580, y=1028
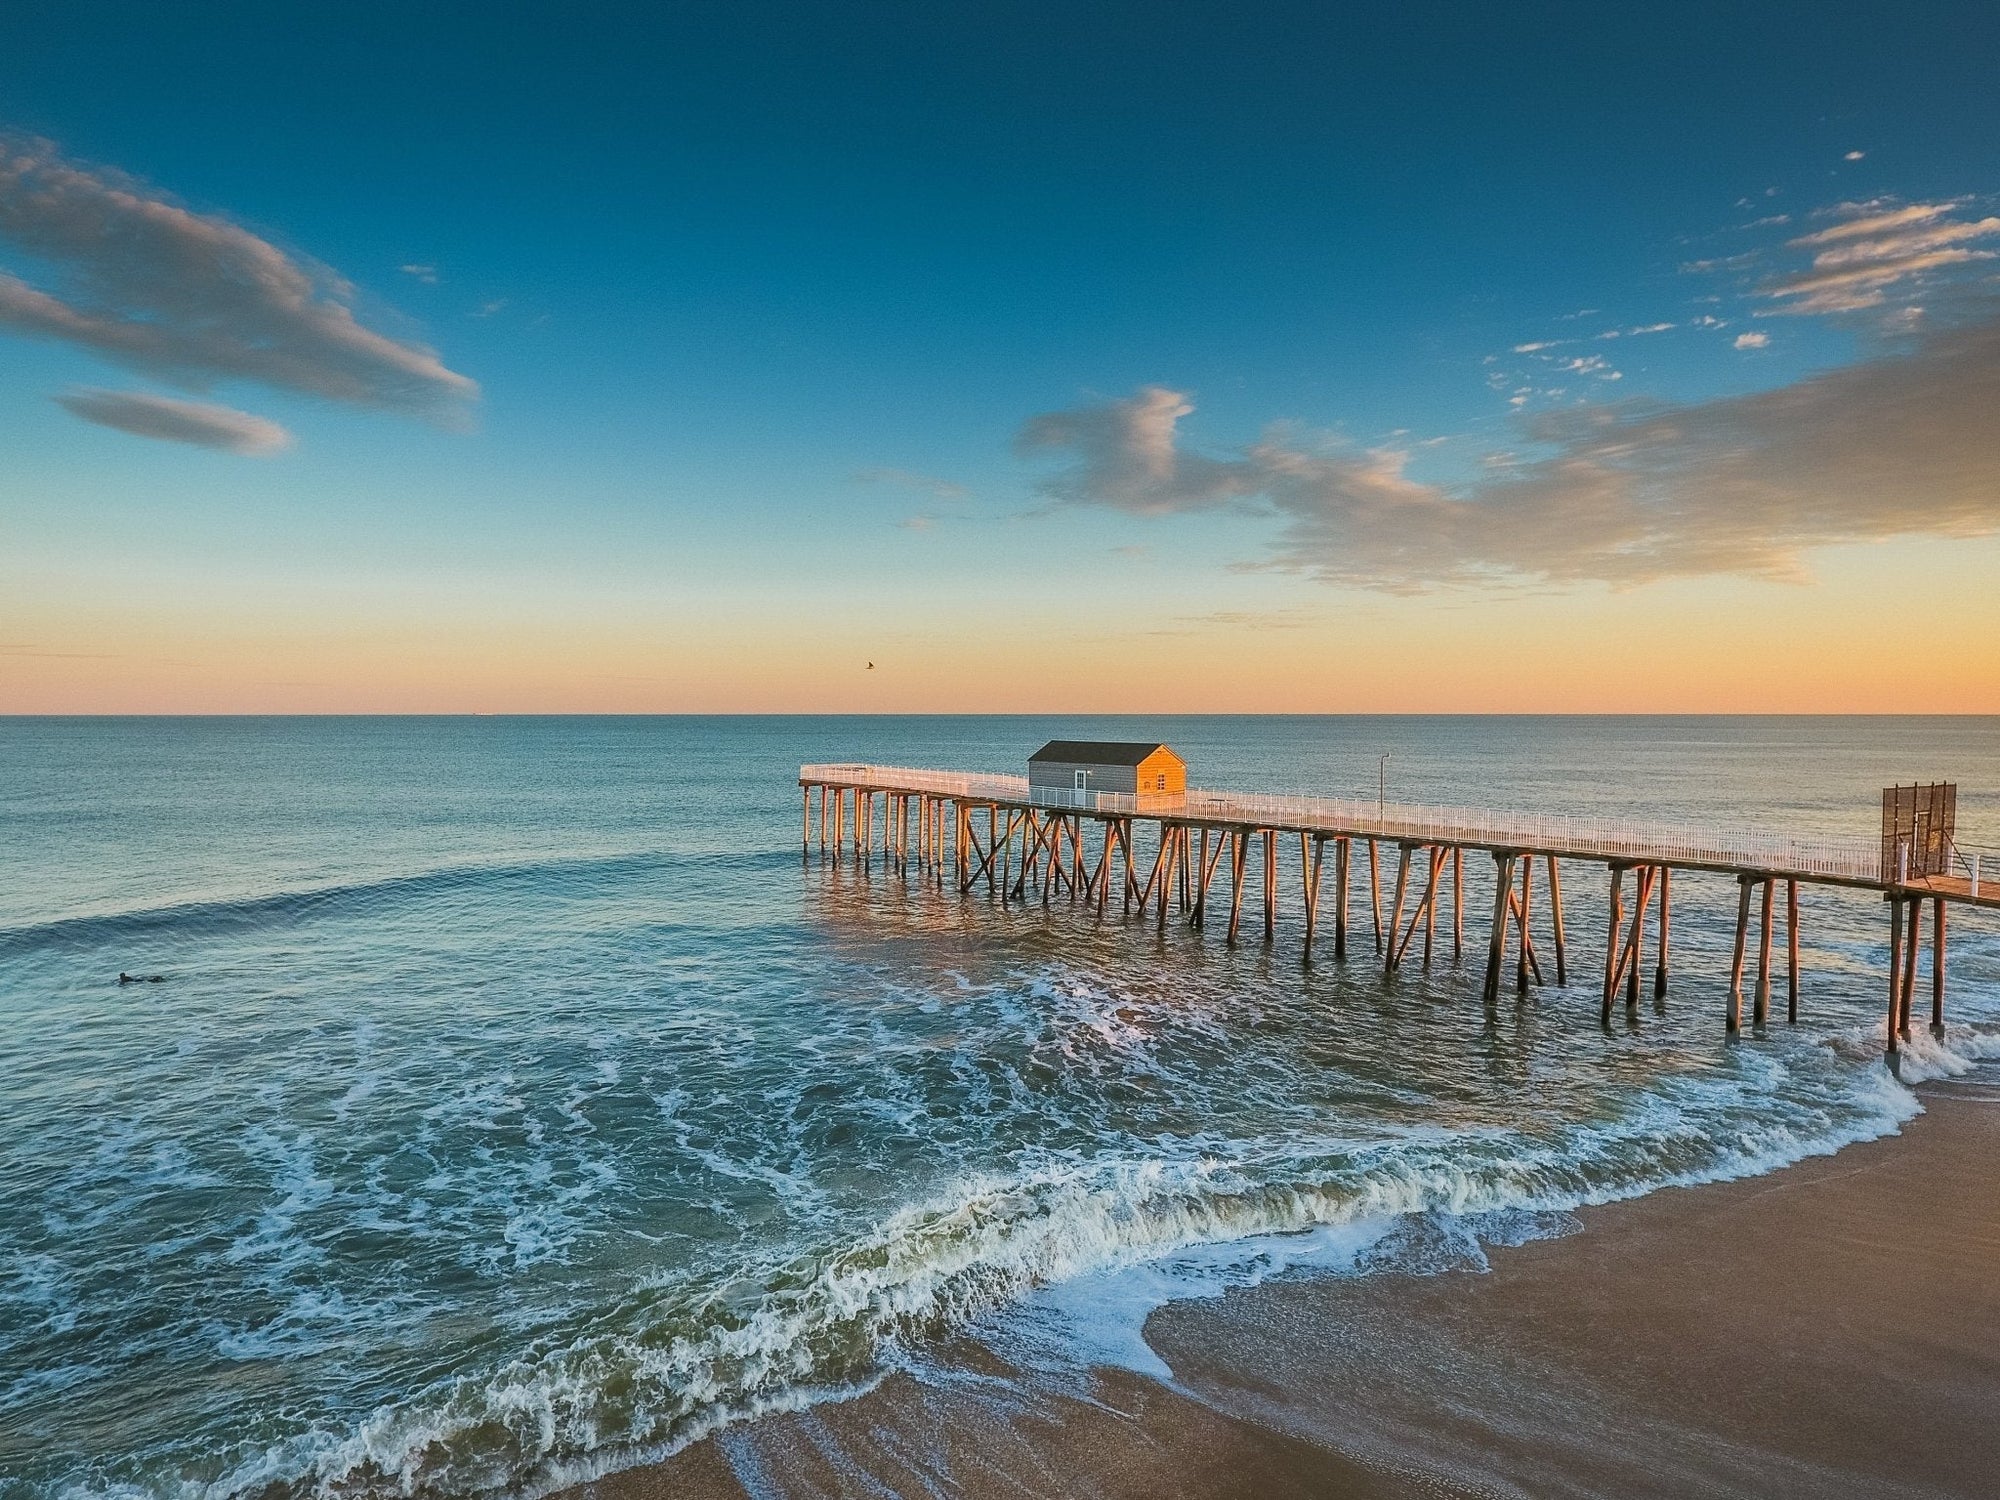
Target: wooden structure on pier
x=1084, y=768
x=1019, y=838
x=1919, y=824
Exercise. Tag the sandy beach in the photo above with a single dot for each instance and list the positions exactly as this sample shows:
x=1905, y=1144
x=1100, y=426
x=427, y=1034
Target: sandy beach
x=1832, y=1329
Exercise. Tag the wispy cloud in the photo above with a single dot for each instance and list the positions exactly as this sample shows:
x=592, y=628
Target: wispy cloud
x=1125, y=456
x=907, y=479
x=1901, y=445
x=1251, y=619
x=1875, y=254
x=132, y=276
x=1752, y=340
x=1233, y=619
x=428, y=275
x=173, y=421
x=1740, y=261
x=1593, y=365
x=37, y=652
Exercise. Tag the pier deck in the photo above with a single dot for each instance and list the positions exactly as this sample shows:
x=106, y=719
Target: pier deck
x=1034, y=839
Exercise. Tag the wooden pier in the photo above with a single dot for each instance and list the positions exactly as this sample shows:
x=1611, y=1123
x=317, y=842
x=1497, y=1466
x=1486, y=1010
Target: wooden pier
x=1001, y=835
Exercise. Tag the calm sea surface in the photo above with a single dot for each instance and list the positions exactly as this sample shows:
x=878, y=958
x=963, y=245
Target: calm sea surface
x=515, y=1104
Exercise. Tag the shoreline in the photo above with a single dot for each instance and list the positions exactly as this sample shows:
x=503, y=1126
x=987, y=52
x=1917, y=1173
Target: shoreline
x=1832, y=1328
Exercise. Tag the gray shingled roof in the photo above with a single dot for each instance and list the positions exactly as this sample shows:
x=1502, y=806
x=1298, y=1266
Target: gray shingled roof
x=1099, y=752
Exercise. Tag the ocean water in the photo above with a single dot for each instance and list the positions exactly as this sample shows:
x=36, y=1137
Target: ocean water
x=515, y=1104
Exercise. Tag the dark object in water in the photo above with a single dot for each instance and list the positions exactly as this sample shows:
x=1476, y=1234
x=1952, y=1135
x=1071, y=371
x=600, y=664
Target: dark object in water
x=124, y=978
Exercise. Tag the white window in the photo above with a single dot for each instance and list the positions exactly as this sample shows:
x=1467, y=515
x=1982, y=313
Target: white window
x=1082, y=780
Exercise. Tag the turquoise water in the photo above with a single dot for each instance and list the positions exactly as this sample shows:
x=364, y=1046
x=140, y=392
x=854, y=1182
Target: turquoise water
x=515, y=1103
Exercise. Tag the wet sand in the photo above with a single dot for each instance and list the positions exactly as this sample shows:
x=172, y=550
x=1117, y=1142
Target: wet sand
x=1830, y=1330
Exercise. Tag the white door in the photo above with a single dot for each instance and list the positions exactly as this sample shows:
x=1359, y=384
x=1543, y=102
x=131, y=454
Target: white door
x=1082, y=786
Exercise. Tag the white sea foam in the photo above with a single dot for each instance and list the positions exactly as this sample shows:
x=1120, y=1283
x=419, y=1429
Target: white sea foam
x=1072, y=1253
x=1922, y=1056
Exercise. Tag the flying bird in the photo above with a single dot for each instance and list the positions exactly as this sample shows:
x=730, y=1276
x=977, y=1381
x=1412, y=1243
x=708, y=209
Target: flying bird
x=871, y=666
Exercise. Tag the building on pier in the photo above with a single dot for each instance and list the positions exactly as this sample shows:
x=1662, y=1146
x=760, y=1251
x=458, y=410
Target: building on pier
x=1075, y=770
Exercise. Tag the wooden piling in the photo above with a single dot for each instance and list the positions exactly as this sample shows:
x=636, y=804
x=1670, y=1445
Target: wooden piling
x=1342, y=852
x=1239, y=842
x=1396, y=907
x=1666, y=928
x=1937, y=967
x=1735, y=1016
x=1314, y=863
x=1648, y=874
x=1210, y=862
x=1270, y=884
x=1613, y=946
x=982, y=866
x=1915, y=924
x=1375, y=891
x=1153, y=877
x=1527, y=941
x=1792, y=951
x=1201, y=886
x=1431, y=885
x=1457, y=904
x=1625, y=969
x=1895, y=968
x=1496, y=942
x=1421, y=916
x=1556, y=920
x=1760, y=1014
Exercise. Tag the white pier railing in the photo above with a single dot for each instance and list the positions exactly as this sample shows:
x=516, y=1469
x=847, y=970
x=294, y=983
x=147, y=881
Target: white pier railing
x=1638, y=840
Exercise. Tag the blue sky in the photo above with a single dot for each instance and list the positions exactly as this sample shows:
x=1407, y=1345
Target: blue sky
x=760, y=301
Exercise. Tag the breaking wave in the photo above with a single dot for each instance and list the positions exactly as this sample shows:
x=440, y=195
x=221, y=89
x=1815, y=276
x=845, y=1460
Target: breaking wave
x=780, y=1335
